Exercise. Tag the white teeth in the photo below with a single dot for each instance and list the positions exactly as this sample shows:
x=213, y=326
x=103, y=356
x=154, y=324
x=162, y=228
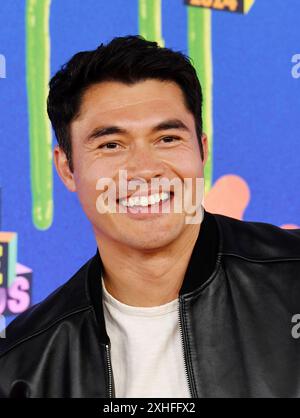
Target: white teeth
x=135, y=200
x=152, y=199
x=145, y=200
x=164, y=196
x=157, y=198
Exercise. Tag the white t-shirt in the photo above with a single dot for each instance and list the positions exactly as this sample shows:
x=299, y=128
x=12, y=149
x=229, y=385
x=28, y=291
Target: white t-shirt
x=146, y=349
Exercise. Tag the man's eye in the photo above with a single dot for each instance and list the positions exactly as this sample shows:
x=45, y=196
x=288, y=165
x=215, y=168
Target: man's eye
x=108, y=145
x=170, y=139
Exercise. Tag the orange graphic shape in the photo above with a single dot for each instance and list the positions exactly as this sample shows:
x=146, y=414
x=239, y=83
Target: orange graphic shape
x=290, y=226
x=229, y=196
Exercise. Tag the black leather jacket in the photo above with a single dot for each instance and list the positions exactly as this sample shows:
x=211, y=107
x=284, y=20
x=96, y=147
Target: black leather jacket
x=240, y=292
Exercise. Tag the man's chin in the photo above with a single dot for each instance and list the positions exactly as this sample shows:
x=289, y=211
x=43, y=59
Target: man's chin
x=153, y=240
x=142, y=235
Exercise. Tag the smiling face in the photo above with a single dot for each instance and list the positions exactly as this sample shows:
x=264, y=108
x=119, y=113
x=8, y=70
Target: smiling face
x=146, y=129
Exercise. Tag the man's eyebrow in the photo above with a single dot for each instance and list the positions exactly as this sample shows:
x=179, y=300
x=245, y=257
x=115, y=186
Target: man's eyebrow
x=113, y=129
x=104, y=131
x=170, y=124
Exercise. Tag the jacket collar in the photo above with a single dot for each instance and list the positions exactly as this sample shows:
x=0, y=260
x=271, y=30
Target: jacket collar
x=201, y=267
x=203, y=261
x=219, y=236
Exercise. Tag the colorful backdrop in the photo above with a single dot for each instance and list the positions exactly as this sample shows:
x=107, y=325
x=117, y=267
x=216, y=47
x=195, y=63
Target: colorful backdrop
x=247, y=55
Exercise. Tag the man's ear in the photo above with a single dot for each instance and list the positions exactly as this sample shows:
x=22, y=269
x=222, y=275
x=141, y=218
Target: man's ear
x=204, y=142
x=63, y=169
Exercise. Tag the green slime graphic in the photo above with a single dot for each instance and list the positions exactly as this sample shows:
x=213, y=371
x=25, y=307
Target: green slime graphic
x=37, y=76
x=199, y=45
x=200, y=51
x=150, y=20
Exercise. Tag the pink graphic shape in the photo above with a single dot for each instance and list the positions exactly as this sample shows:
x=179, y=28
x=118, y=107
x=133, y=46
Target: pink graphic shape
x=229, y=196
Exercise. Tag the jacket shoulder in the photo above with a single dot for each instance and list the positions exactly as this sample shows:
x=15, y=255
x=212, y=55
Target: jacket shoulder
x=257, y=240
x=66, y=300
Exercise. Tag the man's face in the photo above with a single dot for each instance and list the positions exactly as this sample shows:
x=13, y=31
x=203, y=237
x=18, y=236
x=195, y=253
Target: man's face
x=130, y=138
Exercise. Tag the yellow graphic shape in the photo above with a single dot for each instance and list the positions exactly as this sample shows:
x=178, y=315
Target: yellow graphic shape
x=233, y=6
x=247, y=5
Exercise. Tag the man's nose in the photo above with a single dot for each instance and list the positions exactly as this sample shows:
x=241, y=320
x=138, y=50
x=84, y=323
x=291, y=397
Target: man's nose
x=145, y=164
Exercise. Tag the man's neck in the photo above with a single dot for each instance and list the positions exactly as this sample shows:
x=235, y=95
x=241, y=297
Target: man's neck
x=146, y=279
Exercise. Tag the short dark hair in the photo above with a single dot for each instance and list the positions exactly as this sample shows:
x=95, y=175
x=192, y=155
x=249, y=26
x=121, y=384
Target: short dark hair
x=127, y=59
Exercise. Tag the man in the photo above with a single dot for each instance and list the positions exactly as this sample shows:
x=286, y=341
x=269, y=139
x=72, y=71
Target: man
x=166, y=307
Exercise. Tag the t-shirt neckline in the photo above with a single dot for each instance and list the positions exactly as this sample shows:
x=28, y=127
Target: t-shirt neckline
x=138, y=310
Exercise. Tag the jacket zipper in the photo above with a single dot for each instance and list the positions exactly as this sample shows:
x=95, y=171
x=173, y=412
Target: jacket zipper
x=183, y=343
x=109, y=368
x=181, y=324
